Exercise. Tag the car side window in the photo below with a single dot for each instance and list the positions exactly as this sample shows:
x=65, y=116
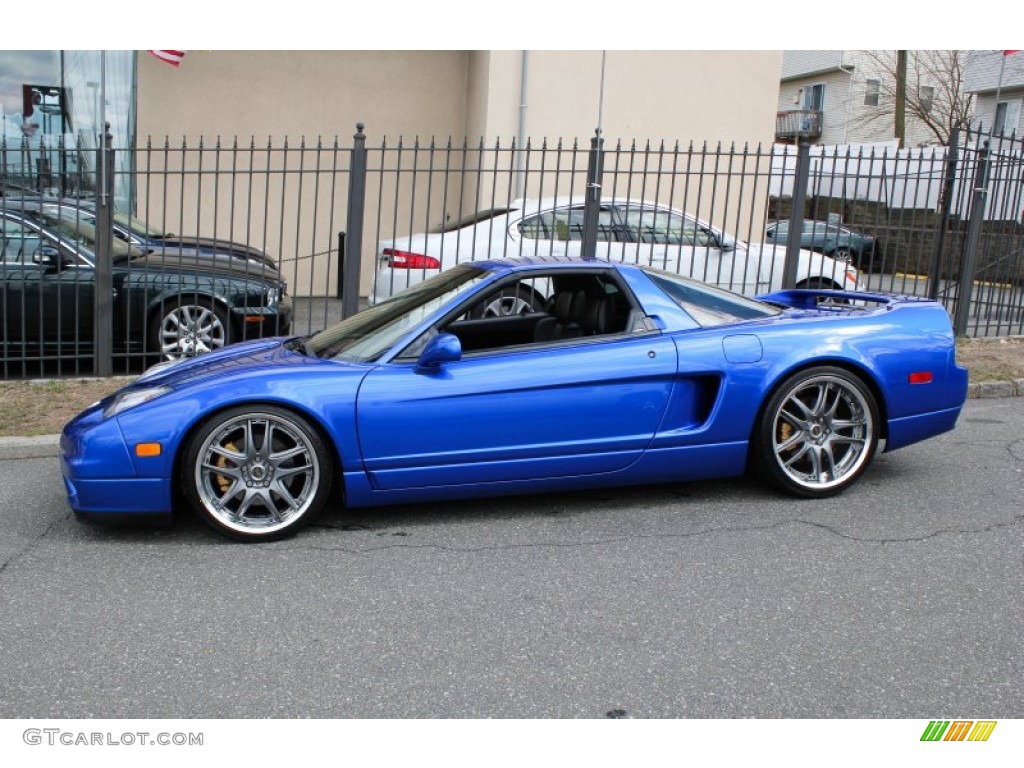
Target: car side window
x=550, y=308
x=658, y=226
x=20, y=243
x=566, y=224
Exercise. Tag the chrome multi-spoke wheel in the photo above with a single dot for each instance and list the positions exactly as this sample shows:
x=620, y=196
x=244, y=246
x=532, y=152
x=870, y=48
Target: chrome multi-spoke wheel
x=189, y=329
x=258, y=473
x=818, y=432
x=506, y=306
x=510, y=302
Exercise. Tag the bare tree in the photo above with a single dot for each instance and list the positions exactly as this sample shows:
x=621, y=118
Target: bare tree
x=934, y=94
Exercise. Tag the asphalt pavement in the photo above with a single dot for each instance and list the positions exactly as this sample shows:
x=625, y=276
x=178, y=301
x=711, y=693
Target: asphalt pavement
x=899, y=599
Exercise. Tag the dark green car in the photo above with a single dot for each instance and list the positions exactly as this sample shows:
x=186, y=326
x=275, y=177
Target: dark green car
x=830, y=239
x=169, y=304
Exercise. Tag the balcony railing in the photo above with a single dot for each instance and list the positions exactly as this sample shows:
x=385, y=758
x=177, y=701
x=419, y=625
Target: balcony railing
x=798, y=124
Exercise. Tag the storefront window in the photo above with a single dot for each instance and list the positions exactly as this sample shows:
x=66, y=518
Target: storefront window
x=53, y=106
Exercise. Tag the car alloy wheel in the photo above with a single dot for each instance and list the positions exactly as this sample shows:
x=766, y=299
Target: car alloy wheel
x=507, y=303
x=186, y=329
x=257, y=473
x=817, y=433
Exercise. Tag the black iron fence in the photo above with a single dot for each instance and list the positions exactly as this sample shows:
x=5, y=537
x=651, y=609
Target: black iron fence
x=179, y=247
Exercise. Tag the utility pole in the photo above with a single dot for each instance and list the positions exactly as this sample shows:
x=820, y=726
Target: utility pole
x=901, y=97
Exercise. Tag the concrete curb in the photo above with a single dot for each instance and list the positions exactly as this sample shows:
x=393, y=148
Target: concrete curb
x=985, y=389
x=38, y=447
x=48, y=446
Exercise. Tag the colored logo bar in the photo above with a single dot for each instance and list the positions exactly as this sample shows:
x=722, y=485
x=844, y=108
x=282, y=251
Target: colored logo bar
x=958, y=730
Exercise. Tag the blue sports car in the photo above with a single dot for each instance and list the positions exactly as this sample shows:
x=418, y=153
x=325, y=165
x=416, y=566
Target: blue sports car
x=621, y=375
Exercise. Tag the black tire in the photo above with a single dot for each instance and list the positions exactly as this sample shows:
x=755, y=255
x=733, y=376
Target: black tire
x=201, y=326
x=817, y=433
x=507, y=303
x=247, y=490
x=823, y=283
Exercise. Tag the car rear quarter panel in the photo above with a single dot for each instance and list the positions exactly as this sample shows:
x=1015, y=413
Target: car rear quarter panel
x=883, y=347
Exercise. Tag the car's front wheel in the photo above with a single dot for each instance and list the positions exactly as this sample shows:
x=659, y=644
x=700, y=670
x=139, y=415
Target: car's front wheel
x=817, y=433
x=189, y=327
x=257, y=473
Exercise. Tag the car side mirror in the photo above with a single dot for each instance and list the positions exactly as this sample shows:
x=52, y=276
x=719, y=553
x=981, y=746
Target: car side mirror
x=49, y=257
x=443, y=348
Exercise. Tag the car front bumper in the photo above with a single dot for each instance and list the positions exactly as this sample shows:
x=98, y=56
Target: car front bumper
x=99, y=475
x=263, y=322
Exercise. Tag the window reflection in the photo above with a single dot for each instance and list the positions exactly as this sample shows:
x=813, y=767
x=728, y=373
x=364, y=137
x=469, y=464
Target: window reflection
x=53, y=105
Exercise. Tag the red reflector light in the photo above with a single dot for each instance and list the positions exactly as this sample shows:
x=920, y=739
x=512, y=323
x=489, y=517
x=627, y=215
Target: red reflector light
x=409, y=260
x=923, y=377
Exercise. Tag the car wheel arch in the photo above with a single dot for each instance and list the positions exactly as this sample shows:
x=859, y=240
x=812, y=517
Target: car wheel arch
x=156, y=305
x=189, y=433
x=863, y=375
x=809, y=283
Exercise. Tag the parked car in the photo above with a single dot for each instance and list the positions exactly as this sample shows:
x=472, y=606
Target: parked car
x=147, y=236
x=832, y=240
x=169, y=303
x=627, y=230
x=636, y=376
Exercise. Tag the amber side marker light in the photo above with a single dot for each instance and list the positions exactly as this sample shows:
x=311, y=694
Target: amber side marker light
x=922, y=377
x=147, y=449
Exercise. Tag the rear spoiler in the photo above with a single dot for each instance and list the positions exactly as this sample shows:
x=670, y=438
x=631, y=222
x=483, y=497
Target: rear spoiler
x=810, y=298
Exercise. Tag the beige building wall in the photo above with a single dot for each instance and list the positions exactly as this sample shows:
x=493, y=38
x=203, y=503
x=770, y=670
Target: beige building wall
x=303, y=93
x=270, y=96
x=698, y=96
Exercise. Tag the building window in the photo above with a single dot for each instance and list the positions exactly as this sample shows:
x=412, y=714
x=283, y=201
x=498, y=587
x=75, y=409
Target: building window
x=926, y=96
x=814, y=97
x=872, y=92
x=53, y=105
x=1007, y=118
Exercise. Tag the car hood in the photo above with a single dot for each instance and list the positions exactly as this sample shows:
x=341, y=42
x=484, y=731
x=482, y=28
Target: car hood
x=244, y=359
x=174, y=243
x=221, y=265
x=772, y=257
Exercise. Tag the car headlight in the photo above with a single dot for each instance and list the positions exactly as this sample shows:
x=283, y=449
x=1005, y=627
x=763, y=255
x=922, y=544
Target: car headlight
x=273, y=296
x=132, y=398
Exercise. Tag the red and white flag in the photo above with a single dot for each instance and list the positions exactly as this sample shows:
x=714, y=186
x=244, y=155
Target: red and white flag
x=171, y=57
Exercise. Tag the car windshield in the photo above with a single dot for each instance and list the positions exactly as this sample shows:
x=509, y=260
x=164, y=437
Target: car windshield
x=708, y=305
x=138, y=226
x=80, y=228
x=368, y=334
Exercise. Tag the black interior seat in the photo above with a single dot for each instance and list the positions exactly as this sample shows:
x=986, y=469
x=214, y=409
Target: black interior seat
x=568, y=310
x=600, y=316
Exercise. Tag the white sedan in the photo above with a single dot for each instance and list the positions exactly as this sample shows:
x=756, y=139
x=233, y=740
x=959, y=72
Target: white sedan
x=631, y=231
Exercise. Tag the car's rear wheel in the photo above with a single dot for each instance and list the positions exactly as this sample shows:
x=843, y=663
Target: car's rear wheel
x=257, y=473
x=817, y=433
x=189, y=327
x=823, y=283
